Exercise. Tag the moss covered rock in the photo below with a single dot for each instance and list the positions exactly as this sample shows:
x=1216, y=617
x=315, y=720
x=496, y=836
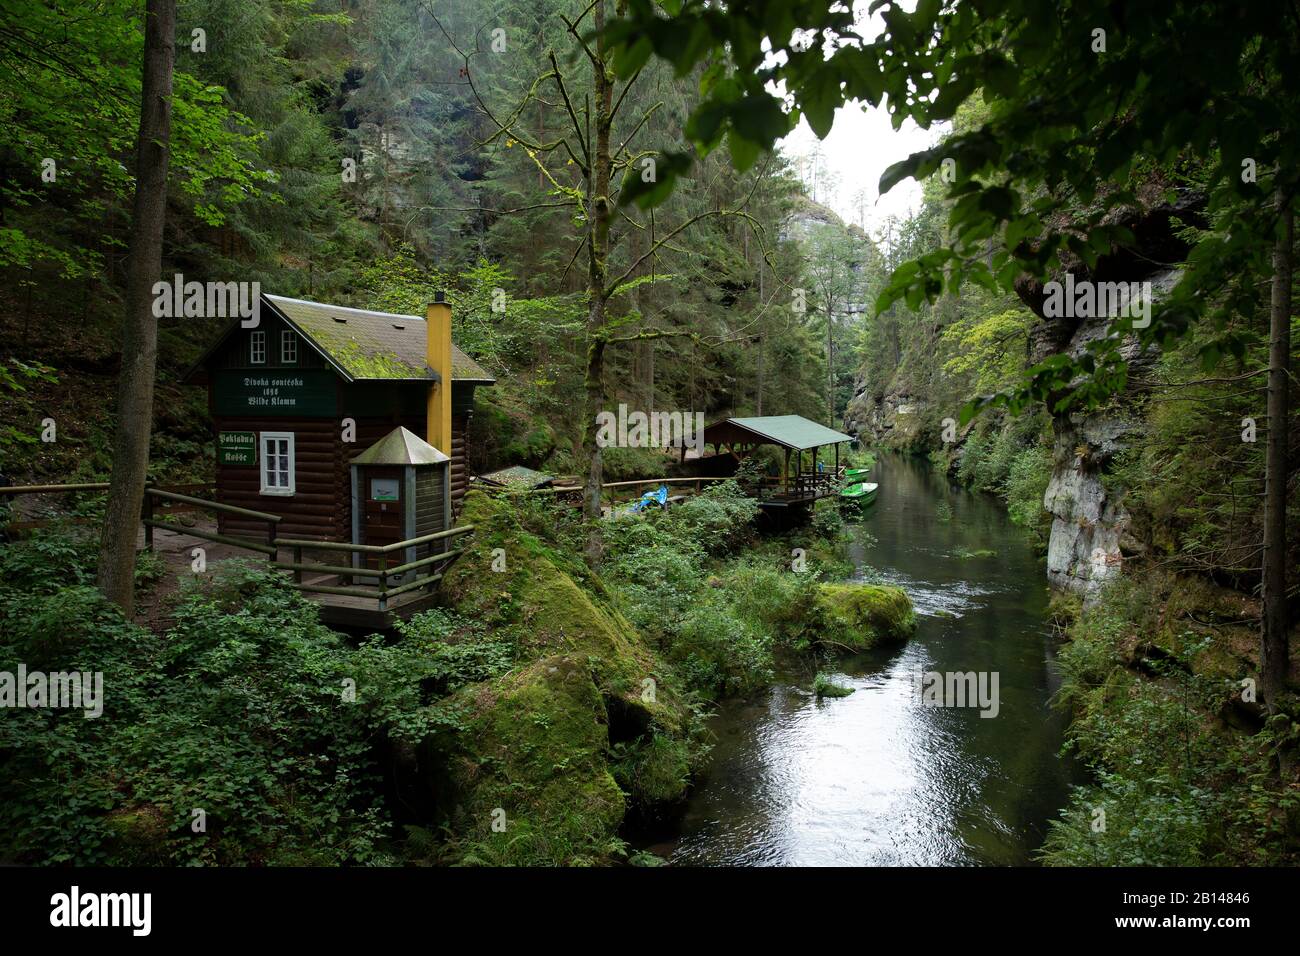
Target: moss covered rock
x=862, y=616
x=529, y=775
x=588, y=702
x=538, y=593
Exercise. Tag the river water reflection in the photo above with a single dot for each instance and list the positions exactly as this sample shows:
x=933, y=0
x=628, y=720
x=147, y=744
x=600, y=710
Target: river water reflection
x=872, y=778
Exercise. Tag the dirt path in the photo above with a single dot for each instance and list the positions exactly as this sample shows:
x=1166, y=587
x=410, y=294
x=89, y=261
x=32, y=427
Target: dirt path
x=153, y=604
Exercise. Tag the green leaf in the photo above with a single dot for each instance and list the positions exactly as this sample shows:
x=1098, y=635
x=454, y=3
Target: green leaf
x=897, y=173
x=744, y=152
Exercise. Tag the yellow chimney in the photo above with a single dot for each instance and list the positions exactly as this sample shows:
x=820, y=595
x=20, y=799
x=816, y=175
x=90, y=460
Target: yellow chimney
x=438, y=356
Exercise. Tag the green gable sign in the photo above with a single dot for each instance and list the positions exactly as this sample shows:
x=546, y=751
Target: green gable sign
x=308, y=392
x=236, y=448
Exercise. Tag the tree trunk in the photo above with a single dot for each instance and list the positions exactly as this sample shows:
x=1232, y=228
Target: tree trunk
x=116, y=575
x=597, y=273
x=830, y=367
x=762, y=337
x=1274, y=658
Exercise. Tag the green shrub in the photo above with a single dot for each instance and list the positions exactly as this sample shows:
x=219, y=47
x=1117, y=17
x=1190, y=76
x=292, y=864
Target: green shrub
x=828, y=521
x=1178, y=787
x=717, y=652
x=237, y=712
x=774, y=600
x=717, y=521
x=1025, y=485
x=247, y=709
x=1014, y=461
x=49, y=558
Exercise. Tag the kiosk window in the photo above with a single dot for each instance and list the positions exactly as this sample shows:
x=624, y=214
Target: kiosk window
x=383, y=489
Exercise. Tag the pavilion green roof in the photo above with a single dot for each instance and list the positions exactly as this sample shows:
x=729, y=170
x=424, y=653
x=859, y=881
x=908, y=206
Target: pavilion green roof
x=790, y=431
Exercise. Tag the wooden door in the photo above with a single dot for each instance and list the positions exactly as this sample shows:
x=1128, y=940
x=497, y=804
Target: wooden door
x=383, y=510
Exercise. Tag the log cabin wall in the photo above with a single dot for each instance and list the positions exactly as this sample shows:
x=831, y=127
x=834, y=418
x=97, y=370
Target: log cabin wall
x=321, y=507
x=312, y=511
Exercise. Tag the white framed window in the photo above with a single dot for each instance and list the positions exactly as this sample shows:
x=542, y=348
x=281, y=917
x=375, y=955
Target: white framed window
x=277, y=463
x=288, y=348
x=257, y=348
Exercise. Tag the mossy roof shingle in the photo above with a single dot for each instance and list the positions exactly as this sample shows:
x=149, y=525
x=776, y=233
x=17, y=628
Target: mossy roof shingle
x=372, y=345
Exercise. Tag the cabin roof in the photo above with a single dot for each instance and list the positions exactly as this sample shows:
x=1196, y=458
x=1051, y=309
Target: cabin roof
x=788, y=431
x=362, y=345
x=372, y=345
x=400, y=447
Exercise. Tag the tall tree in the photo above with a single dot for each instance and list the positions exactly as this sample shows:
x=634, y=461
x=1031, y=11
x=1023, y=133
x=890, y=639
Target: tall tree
x=834, y=266
x=116, y=576
x=596, y=161
x=1273, y=637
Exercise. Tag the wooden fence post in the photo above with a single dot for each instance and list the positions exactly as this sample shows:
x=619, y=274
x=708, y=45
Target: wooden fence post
x=148, y=517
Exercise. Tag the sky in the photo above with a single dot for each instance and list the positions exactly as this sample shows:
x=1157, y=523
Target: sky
x=861, y=145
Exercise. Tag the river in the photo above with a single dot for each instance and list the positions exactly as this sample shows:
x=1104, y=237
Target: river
x=873, y=778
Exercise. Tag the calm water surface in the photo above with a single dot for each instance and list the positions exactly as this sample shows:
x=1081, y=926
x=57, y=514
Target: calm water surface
x=872, y=779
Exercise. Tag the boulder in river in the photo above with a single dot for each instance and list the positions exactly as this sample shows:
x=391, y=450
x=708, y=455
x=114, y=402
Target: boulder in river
x=859, y=617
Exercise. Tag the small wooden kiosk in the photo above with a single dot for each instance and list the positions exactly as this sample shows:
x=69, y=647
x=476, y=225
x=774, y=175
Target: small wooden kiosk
x=401, y=489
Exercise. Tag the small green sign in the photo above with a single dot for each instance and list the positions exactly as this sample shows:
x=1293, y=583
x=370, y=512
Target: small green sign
x=237, y=448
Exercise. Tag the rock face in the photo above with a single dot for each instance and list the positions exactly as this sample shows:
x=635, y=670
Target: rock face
x=1088, y=522
x=893, y=421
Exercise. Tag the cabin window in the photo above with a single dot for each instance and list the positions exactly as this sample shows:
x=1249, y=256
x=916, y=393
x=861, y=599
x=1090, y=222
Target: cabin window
x=257, y=348
x=288, y=348
x=277, y=463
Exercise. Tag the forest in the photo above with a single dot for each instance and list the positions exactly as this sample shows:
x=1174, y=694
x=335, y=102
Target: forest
x=612, y=199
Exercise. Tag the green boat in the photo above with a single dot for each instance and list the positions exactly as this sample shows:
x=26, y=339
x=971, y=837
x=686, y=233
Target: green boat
x=852, y=475
x=859, y=493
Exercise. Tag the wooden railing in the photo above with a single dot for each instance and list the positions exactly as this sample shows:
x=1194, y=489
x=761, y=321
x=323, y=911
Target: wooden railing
x=809, y=484
x=150, y=521
x=388, y=580
x=384, y=576
x=611, y=486
x=98, y=486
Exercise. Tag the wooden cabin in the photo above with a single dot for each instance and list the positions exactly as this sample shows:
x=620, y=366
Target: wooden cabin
x=312, y=387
